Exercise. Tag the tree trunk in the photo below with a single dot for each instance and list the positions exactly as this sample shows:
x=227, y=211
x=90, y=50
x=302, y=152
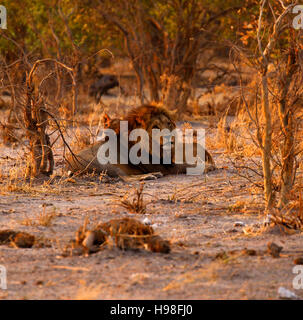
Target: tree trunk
x=41, y=156
x=266, y=149
x=287, y=126
x=288, y=161
x=175, y=93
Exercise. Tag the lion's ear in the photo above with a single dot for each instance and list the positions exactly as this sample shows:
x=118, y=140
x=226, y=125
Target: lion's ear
x=106, y=120
x=139, y=121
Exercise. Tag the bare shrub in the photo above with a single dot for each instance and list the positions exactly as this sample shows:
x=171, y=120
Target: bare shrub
x=135, y=204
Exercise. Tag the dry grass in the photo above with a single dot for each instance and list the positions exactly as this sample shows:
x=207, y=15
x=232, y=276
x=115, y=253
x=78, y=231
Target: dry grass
x=237, y=207
x=291, y=217
x=88, y=292
x=44, y=219
x=124, y=233
x=80, y=140
x=13, y=179
x=135, y=203
x=208, y=275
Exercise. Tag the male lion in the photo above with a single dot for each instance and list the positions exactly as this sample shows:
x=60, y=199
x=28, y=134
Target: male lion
x=145, y=117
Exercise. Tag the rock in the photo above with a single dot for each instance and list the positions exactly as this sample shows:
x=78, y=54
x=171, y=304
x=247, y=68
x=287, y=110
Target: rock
x=23, y=240
x=278, y=229
x=286, y=294
x=157, y=244
x=249, y=252
x=147, y=222
x=17, y=239
x=273, y=249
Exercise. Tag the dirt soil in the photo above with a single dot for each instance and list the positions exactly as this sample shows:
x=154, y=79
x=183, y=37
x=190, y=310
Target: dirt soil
x=214, y=224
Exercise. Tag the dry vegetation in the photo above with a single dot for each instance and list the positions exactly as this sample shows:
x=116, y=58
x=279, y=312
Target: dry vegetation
x=234, y=233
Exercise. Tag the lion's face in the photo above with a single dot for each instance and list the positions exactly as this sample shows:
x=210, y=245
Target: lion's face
x=160, y=121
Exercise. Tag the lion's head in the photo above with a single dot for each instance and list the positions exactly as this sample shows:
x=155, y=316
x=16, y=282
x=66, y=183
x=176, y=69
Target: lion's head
x=146, y=117
x=150, y=117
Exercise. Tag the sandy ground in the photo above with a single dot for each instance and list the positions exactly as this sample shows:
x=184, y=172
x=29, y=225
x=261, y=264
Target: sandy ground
x=198, y=215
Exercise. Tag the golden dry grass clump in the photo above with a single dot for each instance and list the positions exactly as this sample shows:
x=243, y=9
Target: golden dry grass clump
x=125, y=233
x=136, y=204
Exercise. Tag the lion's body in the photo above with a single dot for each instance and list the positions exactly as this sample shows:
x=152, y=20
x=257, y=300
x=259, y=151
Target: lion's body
x=145, y=117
